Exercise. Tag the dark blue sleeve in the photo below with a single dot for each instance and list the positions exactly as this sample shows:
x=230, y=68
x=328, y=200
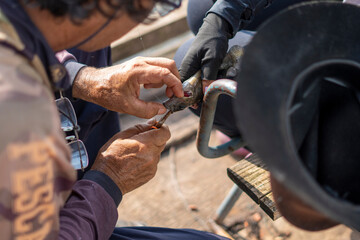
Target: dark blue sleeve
x=73, y=67
x=238, y=12
x=74, y=60
x=107, y=183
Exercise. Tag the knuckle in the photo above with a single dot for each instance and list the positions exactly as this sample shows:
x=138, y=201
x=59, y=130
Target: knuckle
x=133, y=147
x=137, y=62
x=138, y=58
x=142, y=147
x=165, y=72
x=126, y=106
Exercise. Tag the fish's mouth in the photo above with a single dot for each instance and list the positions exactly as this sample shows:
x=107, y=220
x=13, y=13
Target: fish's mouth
x=175, y=104
x=188, y=94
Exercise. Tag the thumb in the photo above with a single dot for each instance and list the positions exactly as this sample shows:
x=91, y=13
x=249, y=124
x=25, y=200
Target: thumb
x=139, y=129
x=155, y=137
x=147, y=110
x=135, y=130
x=127, y=133
x=189, y=66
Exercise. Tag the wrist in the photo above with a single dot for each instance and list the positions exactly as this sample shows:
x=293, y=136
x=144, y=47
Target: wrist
x=101, y=165
x=105, y=182
x=84, y=84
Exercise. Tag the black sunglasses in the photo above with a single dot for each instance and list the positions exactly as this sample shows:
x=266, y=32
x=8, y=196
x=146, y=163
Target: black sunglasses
x=79, y=156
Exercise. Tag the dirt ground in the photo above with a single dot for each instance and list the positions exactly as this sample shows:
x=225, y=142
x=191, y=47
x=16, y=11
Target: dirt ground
x=188, y=189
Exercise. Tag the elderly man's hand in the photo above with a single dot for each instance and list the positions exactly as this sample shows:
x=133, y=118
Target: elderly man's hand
x=117, y=88
x=130, y=158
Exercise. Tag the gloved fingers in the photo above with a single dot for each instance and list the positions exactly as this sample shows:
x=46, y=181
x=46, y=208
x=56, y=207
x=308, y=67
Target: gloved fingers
x=213, y=58
x=210, y=71
x=210, y=68
x=191, y=64
x=187, y=71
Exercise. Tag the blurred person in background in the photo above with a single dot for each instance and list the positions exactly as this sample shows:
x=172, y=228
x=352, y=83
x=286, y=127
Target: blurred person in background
x=219, y=25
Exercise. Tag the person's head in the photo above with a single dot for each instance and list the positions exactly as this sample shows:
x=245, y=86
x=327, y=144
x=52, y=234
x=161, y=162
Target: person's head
x=80, y=19
x=79, y=10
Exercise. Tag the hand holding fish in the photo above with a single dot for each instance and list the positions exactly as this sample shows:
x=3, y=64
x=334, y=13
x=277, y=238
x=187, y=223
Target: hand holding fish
x=117, y=88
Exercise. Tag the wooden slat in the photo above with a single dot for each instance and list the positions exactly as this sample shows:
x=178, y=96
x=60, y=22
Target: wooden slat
x=252, y=177
x=267, y=203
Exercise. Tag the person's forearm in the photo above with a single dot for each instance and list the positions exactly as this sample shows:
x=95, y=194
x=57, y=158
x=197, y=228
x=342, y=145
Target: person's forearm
x=238, y=13
x=91, y=210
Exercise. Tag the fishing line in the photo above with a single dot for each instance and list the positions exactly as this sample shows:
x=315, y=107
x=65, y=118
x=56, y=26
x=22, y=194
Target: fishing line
x=146, y=54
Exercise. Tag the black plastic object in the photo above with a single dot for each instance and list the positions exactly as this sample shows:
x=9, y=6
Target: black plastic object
x=298, y=107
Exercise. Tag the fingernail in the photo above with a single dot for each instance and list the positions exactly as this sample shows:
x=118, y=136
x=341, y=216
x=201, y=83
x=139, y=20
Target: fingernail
x=150, y=121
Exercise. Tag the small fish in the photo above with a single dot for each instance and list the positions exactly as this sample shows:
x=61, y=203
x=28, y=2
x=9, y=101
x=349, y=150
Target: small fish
x=232, y=57
x=193, y=94
x=193, y=90
x=231, y=63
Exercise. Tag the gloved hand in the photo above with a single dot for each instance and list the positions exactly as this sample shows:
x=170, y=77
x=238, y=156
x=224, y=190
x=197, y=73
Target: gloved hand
x=208, y=49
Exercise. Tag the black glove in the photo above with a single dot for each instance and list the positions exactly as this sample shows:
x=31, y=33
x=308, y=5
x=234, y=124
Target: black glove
x=208, y=49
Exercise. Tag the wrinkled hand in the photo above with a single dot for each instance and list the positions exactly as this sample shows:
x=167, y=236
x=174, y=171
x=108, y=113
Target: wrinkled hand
x=130, y=157
x=117, y=88
x=208, y=49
